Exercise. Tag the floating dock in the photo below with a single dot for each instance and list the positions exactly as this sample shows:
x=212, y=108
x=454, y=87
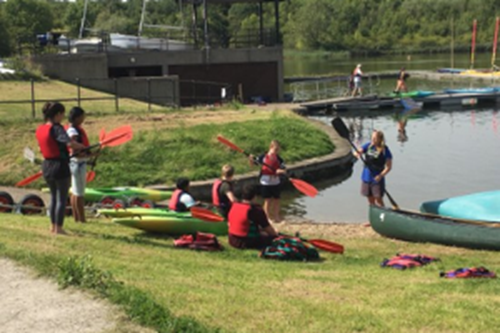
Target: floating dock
x=374, y=102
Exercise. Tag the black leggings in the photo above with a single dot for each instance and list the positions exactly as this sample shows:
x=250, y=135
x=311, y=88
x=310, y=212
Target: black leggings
x=59, y=189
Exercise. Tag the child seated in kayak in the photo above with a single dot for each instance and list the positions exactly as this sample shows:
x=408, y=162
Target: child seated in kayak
x=249, y=227
x=223, y=192
x=181, y=200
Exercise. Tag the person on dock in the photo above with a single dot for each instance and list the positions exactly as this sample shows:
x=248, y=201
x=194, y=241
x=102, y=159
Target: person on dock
x=248, y=225
x=78, y=163
x=272, y=167
x=358, y=76
x=223, y=190
x=378, y=159
x=182, y=200
x=54, y=142
x=401, y=84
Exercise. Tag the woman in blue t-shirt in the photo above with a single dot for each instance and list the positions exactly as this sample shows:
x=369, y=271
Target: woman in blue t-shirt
x=378, y=159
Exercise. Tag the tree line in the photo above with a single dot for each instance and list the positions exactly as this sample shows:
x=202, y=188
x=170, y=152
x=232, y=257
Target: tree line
x=369, y=26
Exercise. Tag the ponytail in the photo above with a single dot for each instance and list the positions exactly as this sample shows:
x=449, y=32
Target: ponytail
x=52, y=109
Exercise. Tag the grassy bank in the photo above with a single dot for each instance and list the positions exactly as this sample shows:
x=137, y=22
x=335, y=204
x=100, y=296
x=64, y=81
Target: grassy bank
x=183, y=142
x=238, y=292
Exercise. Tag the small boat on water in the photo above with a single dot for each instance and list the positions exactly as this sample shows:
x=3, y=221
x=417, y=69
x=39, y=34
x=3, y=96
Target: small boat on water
x=135, y=42
x=471, y=91
x=420, y=227
x=451, y=70
x=483, y=206
x=413, y=94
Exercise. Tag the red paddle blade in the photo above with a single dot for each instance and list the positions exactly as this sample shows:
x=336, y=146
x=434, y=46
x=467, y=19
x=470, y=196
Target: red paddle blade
x=205, y=214
x=304, y=187
x=114, y=139
x=30, y=179
x=327, y=245
x=228, y=143
x=90, y=176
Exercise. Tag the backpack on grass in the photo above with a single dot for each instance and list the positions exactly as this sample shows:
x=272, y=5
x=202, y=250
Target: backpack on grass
x=289, y=248
x=199, y=241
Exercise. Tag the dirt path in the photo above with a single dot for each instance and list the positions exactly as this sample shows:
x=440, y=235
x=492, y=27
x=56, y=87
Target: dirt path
x=29, y=304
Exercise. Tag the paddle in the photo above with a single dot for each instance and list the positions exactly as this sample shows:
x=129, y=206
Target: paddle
x=205, y=214
x=299, y=184
x=341, y=128
x=91, y=173
x=114, y=138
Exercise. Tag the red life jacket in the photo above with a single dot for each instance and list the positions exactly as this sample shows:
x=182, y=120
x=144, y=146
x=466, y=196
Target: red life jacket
x=273, y=162
x=239, y=224
x=82, y=135
x=48, y=145
x=215, y=192
x=175, y=204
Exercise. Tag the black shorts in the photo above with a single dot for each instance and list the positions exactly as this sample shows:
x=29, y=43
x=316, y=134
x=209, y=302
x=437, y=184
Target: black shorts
x=257, y=243
x=270, y=191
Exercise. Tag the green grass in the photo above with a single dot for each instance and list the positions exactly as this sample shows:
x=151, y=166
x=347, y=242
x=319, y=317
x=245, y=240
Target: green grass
x=20, y=90
x=238, y=292
x=158, y=155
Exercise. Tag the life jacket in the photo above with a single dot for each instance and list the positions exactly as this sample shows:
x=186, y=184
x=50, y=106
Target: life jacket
x=49, y=147
x=175, y=204
x=270, y=165
x=467, y=273
x=289, y=248
x=82, y=135
x=375, y=159
x=217, y=198
x=404, y=261
x=199, y=241
x=239, y=223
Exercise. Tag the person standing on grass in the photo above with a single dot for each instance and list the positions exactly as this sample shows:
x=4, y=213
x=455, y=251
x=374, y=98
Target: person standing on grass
x=248, y=225
x=272, y=167
x=378, y=159
x=78, y=163
x=223, y=192
x=358, y=76
x=54, y=142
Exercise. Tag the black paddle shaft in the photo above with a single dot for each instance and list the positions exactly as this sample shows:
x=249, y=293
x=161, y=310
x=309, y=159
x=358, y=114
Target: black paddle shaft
x=343, y=131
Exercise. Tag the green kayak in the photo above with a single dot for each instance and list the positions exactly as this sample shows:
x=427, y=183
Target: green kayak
x=139, y=211
x=172, y=225
x=413, y=94
x=123, y=193
x=419, y=227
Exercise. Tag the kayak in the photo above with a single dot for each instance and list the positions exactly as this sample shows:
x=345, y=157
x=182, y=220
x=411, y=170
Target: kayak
x=139, y=211
x=172, y=225
x=451, y=70
x=471, y=91
x=483, y=206
x=413, y=94
x=123, y=193
x=420, y=227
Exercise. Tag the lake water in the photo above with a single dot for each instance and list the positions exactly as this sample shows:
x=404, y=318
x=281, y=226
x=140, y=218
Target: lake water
x=447, y=153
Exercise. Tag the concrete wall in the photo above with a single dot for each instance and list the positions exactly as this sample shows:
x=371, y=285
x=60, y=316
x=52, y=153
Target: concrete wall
x=260, y=71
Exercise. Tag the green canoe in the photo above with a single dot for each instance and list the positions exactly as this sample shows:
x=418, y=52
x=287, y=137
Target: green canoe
x=139, y=211
x=413, y=94
x=171, y=225
x=419, y=227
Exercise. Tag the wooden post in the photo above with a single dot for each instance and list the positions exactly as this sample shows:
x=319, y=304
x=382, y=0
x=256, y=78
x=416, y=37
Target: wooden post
x=149, y=94
x=117, y=106
x=240, y=92
x=32, y=81
x=452, y=46
x=78, y=91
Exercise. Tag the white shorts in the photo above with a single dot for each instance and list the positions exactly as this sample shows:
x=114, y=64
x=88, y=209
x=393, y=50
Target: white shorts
x=78, y=177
